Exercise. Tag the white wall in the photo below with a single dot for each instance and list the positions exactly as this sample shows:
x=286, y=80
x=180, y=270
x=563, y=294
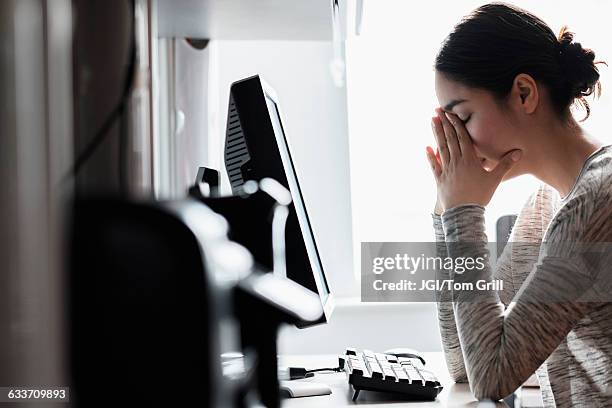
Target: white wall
x=191, y=87
x=374, y=326
x=182, y=123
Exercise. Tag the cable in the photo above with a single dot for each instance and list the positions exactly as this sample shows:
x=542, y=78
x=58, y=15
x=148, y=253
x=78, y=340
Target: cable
x=297, y=373
x=118, y=111
x=318, y=370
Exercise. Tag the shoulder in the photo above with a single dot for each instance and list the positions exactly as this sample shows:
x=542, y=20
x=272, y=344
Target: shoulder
x=596, y=180
x=540, y=207
x=543, y=198
x=587, y=213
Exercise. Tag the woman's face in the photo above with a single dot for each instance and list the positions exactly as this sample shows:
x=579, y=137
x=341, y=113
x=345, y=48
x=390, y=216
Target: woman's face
x=490, y=126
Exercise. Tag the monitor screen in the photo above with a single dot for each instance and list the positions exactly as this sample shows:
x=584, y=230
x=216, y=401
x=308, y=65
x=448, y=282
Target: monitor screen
x=298, y=201
x=256, y=147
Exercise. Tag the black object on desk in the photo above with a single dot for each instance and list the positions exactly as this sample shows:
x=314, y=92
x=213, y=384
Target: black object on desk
x=250, y=220
x=207, y=179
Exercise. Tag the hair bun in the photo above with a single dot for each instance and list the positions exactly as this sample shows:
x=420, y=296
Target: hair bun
x=578, y=66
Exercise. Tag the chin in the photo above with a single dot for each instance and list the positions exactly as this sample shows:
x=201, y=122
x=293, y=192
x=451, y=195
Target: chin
x=489, y=165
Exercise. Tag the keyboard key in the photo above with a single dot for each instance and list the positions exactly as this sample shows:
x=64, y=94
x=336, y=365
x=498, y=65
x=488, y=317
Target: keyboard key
x=381, y=357
x=384, y=365
x=374, y=369
x=356, y=371
x=430, y=379
x=400, y=374
x=356, y=362
x=368, y=353
x=389, y=374
x=404, y=360
x=414, y=361
x=413, y=374
x=350, y=351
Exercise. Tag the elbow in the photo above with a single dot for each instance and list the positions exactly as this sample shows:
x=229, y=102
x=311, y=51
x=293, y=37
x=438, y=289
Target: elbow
x=487, y=395
x=493, y=381
x=458, y=376
x=489, y=391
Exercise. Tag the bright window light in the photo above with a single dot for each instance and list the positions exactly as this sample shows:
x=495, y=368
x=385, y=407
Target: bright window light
x=391, y=97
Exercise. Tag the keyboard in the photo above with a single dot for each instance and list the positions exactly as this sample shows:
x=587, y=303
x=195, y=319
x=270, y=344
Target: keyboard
x=371, y=371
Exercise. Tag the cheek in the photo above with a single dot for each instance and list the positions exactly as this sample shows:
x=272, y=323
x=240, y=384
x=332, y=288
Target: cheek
x=489, y=136
x=482, y=136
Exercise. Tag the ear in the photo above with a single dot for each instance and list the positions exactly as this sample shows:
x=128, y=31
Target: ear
x=525, y=93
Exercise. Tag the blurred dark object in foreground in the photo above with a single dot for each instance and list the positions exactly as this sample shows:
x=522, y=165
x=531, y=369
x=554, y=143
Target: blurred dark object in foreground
x=150, y=285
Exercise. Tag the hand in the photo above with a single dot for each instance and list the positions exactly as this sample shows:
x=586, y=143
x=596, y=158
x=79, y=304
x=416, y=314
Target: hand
x=435, y=157
x=459, y=175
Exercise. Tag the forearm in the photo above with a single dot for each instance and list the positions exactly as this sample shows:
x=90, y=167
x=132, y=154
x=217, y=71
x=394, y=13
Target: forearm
x=446, y=315
x=503, y=348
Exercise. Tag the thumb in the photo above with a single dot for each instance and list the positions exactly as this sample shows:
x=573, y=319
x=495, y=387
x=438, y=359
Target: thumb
x=506, y=163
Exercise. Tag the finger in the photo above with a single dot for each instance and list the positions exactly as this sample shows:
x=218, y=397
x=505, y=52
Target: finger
x=433, y=161
x=463, y=136
x=451, y=135
x=435, y=153
x=505, y=164
x=440, y=140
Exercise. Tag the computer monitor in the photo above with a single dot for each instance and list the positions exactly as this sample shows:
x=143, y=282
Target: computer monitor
x=256, y=147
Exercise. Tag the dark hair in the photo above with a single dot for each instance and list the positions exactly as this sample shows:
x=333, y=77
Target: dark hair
x=489, y=47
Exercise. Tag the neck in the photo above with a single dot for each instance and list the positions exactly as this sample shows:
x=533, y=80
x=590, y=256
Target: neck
x=559, y=159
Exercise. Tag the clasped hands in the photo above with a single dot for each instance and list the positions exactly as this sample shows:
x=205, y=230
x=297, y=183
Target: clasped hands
x=459, y=174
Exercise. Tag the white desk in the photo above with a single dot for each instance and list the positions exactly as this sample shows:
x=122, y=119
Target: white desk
x=453, y=395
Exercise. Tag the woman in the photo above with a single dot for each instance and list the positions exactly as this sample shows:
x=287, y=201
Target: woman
x=505, y=84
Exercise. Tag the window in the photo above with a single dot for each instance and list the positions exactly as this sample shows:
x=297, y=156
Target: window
x=390, y=84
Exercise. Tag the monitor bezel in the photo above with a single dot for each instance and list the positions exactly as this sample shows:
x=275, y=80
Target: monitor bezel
x=329, y=303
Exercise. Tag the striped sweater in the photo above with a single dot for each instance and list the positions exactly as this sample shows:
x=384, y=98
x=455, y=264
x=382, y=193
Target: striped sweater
x=496, y=345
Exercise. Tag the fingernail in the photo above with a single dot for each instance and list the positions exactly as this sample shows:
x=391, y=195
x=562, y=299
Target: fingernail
x=516, y=155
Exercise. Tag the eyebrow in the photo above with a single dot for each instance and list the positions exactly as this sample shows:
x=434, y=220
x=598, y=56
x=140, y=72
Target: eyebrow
x=449, y=106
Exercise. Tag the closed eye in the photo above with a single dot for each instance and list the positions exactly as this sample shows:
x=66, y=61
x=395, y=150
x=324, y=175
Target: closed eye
x=466, y=119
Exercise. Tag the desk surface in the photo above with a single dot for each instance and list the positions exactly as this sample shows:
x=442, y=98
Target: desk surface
x=453, y=395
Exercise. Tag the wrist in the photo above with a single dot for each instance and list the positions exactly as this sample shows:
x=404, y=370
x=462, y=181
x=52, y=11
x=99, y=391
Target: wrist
x=438, y=209
x=465, y=222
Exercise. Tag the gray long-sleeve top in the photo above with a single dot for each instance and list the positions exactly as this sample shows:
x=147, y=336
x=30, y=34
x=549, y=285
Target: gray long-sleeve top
x=500, y=341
